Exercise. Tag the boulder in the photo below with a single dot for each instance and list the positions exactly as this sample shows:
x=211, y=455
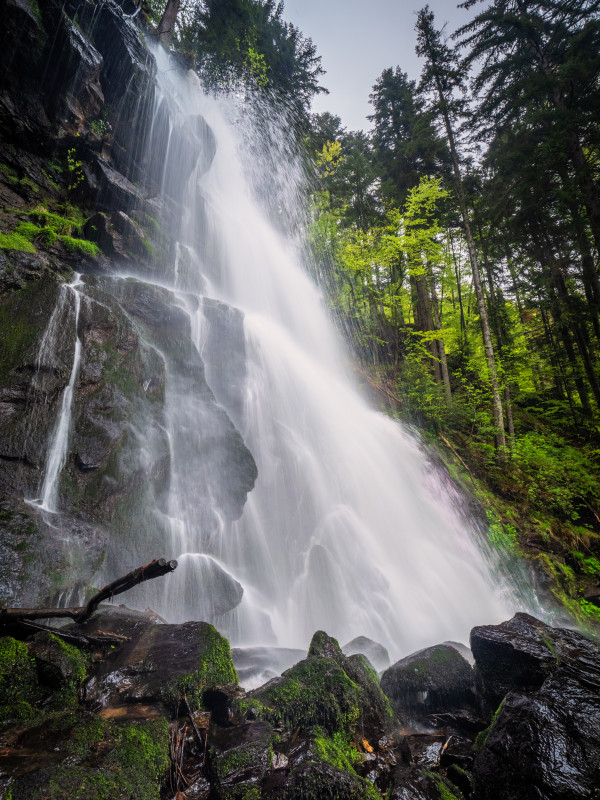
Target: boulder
x=161, y=664
x=375, y=652
x=544, y=739
x=326, y=689
x=434, y=680
x=521, y=653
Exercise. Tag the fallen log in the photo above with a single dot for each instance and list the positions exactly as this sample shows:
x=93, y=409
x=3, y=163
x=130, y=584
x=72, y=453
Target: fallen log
x=155, y=569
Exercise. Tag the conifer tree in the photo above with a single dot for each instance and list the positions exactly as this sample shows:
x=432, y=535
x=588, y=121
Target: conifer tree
x=442, y=76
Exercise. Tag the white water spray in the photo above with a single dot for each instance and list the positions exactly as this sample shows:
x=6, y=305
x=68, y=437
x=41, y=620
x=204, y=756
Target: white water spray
x=59, y=438
x=348, y=528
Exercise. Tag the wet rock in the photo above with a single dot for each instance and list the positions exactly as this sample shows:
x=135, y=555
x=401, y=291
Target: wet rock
x=257, y=665
x=463, y=650
x=436, y=679
x=58, y=663
x=161, y=663
x=521, y=653
x=113, y=189
x=311, y=780
x=375, y=652
x=412, y=783
x=225, y=343
x=71, y=81
x=543, y=739
x=326, y=689
x=239, y=757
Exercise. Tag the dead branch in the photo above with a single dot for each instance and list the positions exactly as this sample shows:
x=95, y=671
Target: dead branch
x=154, y=569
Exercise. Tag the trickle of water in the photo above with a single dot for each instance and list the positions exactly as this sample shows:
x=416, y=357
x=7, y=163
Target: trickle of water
x=59, y=437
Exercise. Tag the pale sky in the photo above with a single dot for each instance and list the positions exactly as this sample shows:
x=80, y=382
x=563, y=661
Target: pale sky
x=358, y=39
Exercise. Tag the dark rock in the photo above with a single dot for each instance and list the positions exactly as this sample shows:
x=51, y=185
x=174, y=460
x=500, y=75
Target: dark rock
x=312, y=780
x=521, y=653
x=160, y=663
x=113, y=190
x=71, y=81
x=412, y=783
x=544, y=738
x=256, y=665
x=58, y=665
x=375, y=652
x=239, y=757
x=434, y=680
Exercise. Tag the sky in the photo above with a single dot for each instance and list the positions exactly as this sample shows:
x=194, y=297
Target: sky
x=357, y=40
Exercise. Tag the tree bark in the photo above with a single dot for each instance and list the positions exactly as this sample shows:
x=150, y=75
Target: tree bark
x=166, y=26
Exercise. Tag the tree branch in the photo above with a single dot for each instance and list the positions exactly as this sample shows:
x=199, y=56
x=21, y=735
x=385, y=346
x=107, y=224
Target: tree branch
x=154, y=569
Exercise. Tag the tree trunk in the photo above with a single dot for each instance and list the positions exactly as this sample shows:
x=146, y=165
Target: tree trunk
x=166, y=26
x=485, y=325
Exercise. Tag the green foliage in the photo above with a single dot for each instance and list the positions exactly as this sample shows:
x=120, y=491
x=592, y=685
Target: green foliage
x=555, y=474
x=248, y=42
x=501, y=535
x=74, y=169
x=16, y=241
x=589, y=564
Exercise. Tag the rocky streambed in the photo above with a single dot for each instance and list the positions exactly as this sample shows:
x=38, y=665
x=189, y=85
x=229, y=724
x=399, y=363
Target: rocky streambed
x=127, y=706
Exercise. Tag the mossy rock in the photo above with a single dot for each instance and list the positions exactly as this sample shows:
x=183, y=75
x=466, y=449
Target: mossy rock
x=326, y=689
x=163, y=663
x=430, y=681
x=19, y=687
x=101, y=760
x=239, y=758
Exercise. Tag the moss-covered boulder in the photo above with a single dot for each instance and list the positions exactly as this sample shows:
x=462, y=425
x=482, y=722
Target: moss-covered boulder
x=95, y=759
x=19, y=688
x=326, y=689
x=430, y=681
x=162, y=664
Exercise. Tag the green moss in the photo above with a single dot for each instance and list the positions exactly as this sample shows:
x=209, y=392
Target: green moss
x=50, y=228
x=136, y=762
x=78, y=664
x=235, y=761
x=9, y=172
x=15, y=241
x=564, y=589
x=482, y=736
x=215, y=668
x=30, y=184
x=18, y=681
x=80, y=246
x=337, y=751
x=316, y=691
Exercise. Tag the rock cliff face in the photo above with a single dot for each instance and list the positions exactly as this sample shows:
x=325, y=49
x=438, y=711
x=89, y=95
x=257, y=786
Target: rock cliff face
x=80, y=168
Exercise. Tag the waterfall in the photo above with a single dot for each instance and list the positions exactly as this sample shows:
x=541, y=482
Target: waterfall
x=59, y=438
x=349, y=528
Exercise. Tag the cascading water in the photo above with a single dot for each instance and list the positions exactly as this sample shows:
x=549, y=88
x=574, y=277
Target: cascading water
x=348, y=528
x=59, y=439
